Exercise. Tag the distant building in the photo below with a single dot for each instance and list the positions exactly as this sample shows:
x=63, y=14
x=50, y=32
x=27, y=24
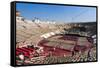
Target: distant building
x=94, y=39
x=17, y=13
x=18, y=16
x=37, y=20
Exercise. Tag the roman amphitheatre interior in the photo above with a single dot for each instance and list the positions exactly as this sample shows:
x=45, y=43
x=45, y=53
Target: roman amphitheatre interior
x=49, y=42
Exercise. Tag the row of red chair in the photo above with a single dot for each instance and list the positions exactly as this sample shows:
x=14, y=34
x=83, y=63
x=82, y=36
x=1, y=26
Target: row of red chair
x=25, y=51
x=56, y=51
x=72, y=38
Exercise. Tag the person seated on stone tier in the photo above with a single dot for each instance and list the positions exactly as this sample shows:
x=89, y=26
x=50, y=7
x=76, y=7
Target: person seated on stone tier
x=50, y=54
x=25, y=44
x=20, y=44
x=32, y=54
x=21, y=57
x=36, y=54
x=54, y=48
x=30, y=45
x=41, y=49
